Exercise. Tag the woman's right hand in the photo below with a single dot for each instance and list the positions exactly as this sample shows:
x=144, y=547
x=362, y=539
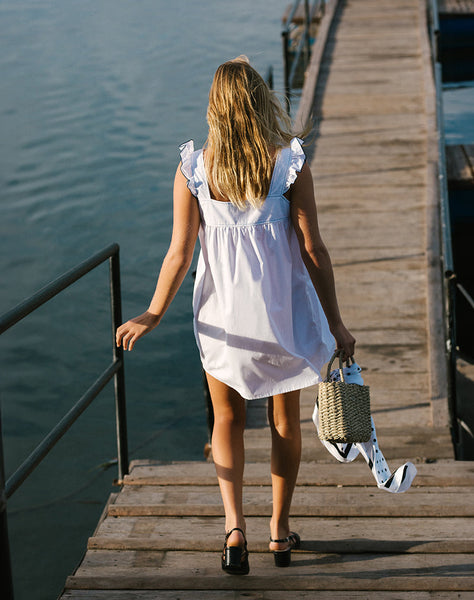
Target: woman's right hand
x=345, y=341
x=131, y=331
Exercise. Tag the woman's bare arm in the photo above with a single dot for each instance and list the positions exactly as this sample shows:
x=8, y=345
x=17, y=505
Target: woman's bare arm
x=186, y=220
x=316, y=257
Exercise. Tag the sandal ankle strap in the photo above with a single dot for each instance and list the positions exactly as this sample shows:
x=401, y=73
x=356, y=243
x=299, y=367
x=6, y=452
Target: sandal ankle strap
x=282, y=541
x=227, y=535
x=292, y=536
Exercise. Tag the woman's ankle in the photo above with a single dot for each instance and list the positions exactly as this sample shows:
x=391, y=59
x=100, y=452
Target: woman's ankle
x=238, y=529
x=236, y=538
x=279, y=530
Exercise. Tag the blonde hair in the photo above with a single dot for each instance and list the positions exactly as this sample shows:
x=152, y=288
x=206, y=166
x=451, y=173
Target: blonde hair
x=247, y=126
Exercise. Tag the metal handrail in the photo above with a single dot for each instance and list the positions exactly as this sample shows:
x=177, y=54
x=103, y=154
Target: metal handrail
x=304, y=43
x=269, y=77
x=115, y=370
x=449, y=280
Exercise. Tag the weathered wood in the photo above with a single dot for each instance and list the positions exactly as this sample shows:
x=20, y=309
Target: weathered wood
x=469, y=150
x=258, y=595
x=424, y=444
x=460, y=166
x=456, y=6
x=146, y=472
x=324, y=535
x=315, y=501
x=425, y=450
x=457, y=164
x=103, y=569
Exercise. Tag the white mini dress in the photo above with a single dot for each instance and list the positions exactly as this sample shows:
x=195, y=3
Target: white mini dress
x=258, y=322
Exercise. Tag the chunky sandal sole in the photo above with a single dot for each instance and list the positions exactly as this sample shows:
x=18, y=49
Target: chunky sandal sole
x=283, y=557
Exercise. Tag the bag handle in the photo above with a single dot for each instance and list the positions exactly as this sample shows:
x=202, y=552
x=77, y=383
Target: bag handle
x=338, y=354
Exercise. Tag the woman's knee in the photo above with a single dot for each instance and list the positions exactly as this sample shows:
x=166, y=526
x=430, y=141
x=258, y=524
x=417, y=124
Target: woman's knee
x=228, y=406
x=226, y=416
x=284, y=415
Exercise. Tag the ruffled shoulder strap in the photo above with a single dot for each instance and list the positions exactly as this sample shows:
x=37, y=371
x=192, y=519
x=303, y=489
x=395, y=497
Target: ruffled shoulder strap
x=188, y=164
x=297, y=158
x=288, y=164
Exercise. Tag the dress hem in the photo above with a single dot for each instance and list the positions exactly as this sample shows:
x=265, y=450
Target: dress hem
x=283, y=389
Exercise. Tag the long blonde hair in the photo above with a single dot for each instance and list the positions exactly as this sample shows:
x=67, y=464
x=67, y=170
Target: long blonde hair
x=247, y=126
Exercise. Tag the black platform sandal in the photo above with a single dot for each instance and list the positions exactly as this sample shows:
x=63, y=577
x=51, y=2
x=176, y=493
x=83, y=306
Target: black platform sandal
x=283, y=557
x=235, y=559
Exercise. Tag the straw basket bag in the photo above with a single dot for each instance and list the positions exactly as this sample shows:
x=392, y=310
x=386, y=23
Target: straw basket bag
x=344, y=408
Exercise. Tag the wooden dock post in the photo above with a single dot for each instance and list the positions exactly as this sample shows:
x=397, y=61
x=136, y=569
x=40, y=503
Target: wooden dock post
x=375, y=179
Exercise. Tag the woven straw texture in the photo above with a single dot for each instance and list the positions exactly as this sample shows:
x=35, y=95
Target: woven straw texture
x=344, y=412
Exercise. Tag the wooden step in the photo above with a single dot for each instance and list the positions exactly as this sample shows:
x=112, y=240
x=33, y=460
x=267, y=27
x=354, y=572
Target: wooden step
x=323, y=535
x=141, y=570
x=438, y=473
x=258, y=450
x=308, y=500
x=259, y=595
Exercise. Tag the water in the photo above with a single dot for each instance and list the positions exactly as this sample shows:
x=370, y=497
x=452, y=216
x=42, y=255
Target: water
x=96, y=96
x=458, y=103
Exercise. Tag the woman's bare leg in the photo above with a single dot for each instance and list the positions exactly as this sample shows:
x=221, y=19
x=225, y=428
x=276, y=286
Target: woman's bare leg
x=284, y=418
x=228, y=453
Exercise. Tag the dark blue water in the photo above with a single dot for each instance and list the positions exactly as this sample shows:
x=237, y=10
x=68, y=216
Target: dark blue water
x=96, y=96
x=458, y=107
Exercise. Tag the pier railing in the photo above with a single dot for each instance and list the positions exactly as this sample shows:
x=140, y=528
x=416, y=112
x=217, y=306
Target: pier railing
x=115, y=370
x=449, y=279
x=291, y=61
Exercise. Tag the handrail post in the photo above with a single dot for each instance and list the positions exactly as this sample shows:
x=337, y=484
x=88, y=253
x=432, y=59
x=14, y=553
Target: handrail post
x=6, y=576
x=269, y=78
x=286, y=68
x=119, y=377
x=307, y=19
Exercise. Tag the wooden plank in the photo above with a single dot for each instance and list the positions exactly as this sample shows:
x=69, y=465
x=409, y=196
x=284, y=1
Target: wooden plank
x=335, y=546
x=386, y=435
x=456, y=7
x=469, y=151
x=324, y=535
x=258, y=444
x=102, y=569
x=315, y=501
x=458, y=166
x=385, y=411
x=367, y=197
x=378, y=125
x=354, y=164
x=373, y=178
x=258, y=595
x=370, y=144
x=146, y=472
x=417, y=452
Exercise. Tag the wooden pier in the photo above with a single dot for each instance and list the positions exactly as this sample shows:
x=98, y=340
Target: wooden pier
x=461, y=7
x=460, y=166
x=374, y=164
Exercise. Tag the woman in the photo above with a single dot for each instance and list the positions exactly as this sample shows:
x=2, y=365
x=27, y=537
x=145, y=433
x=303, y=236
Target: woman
x=265, y=308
